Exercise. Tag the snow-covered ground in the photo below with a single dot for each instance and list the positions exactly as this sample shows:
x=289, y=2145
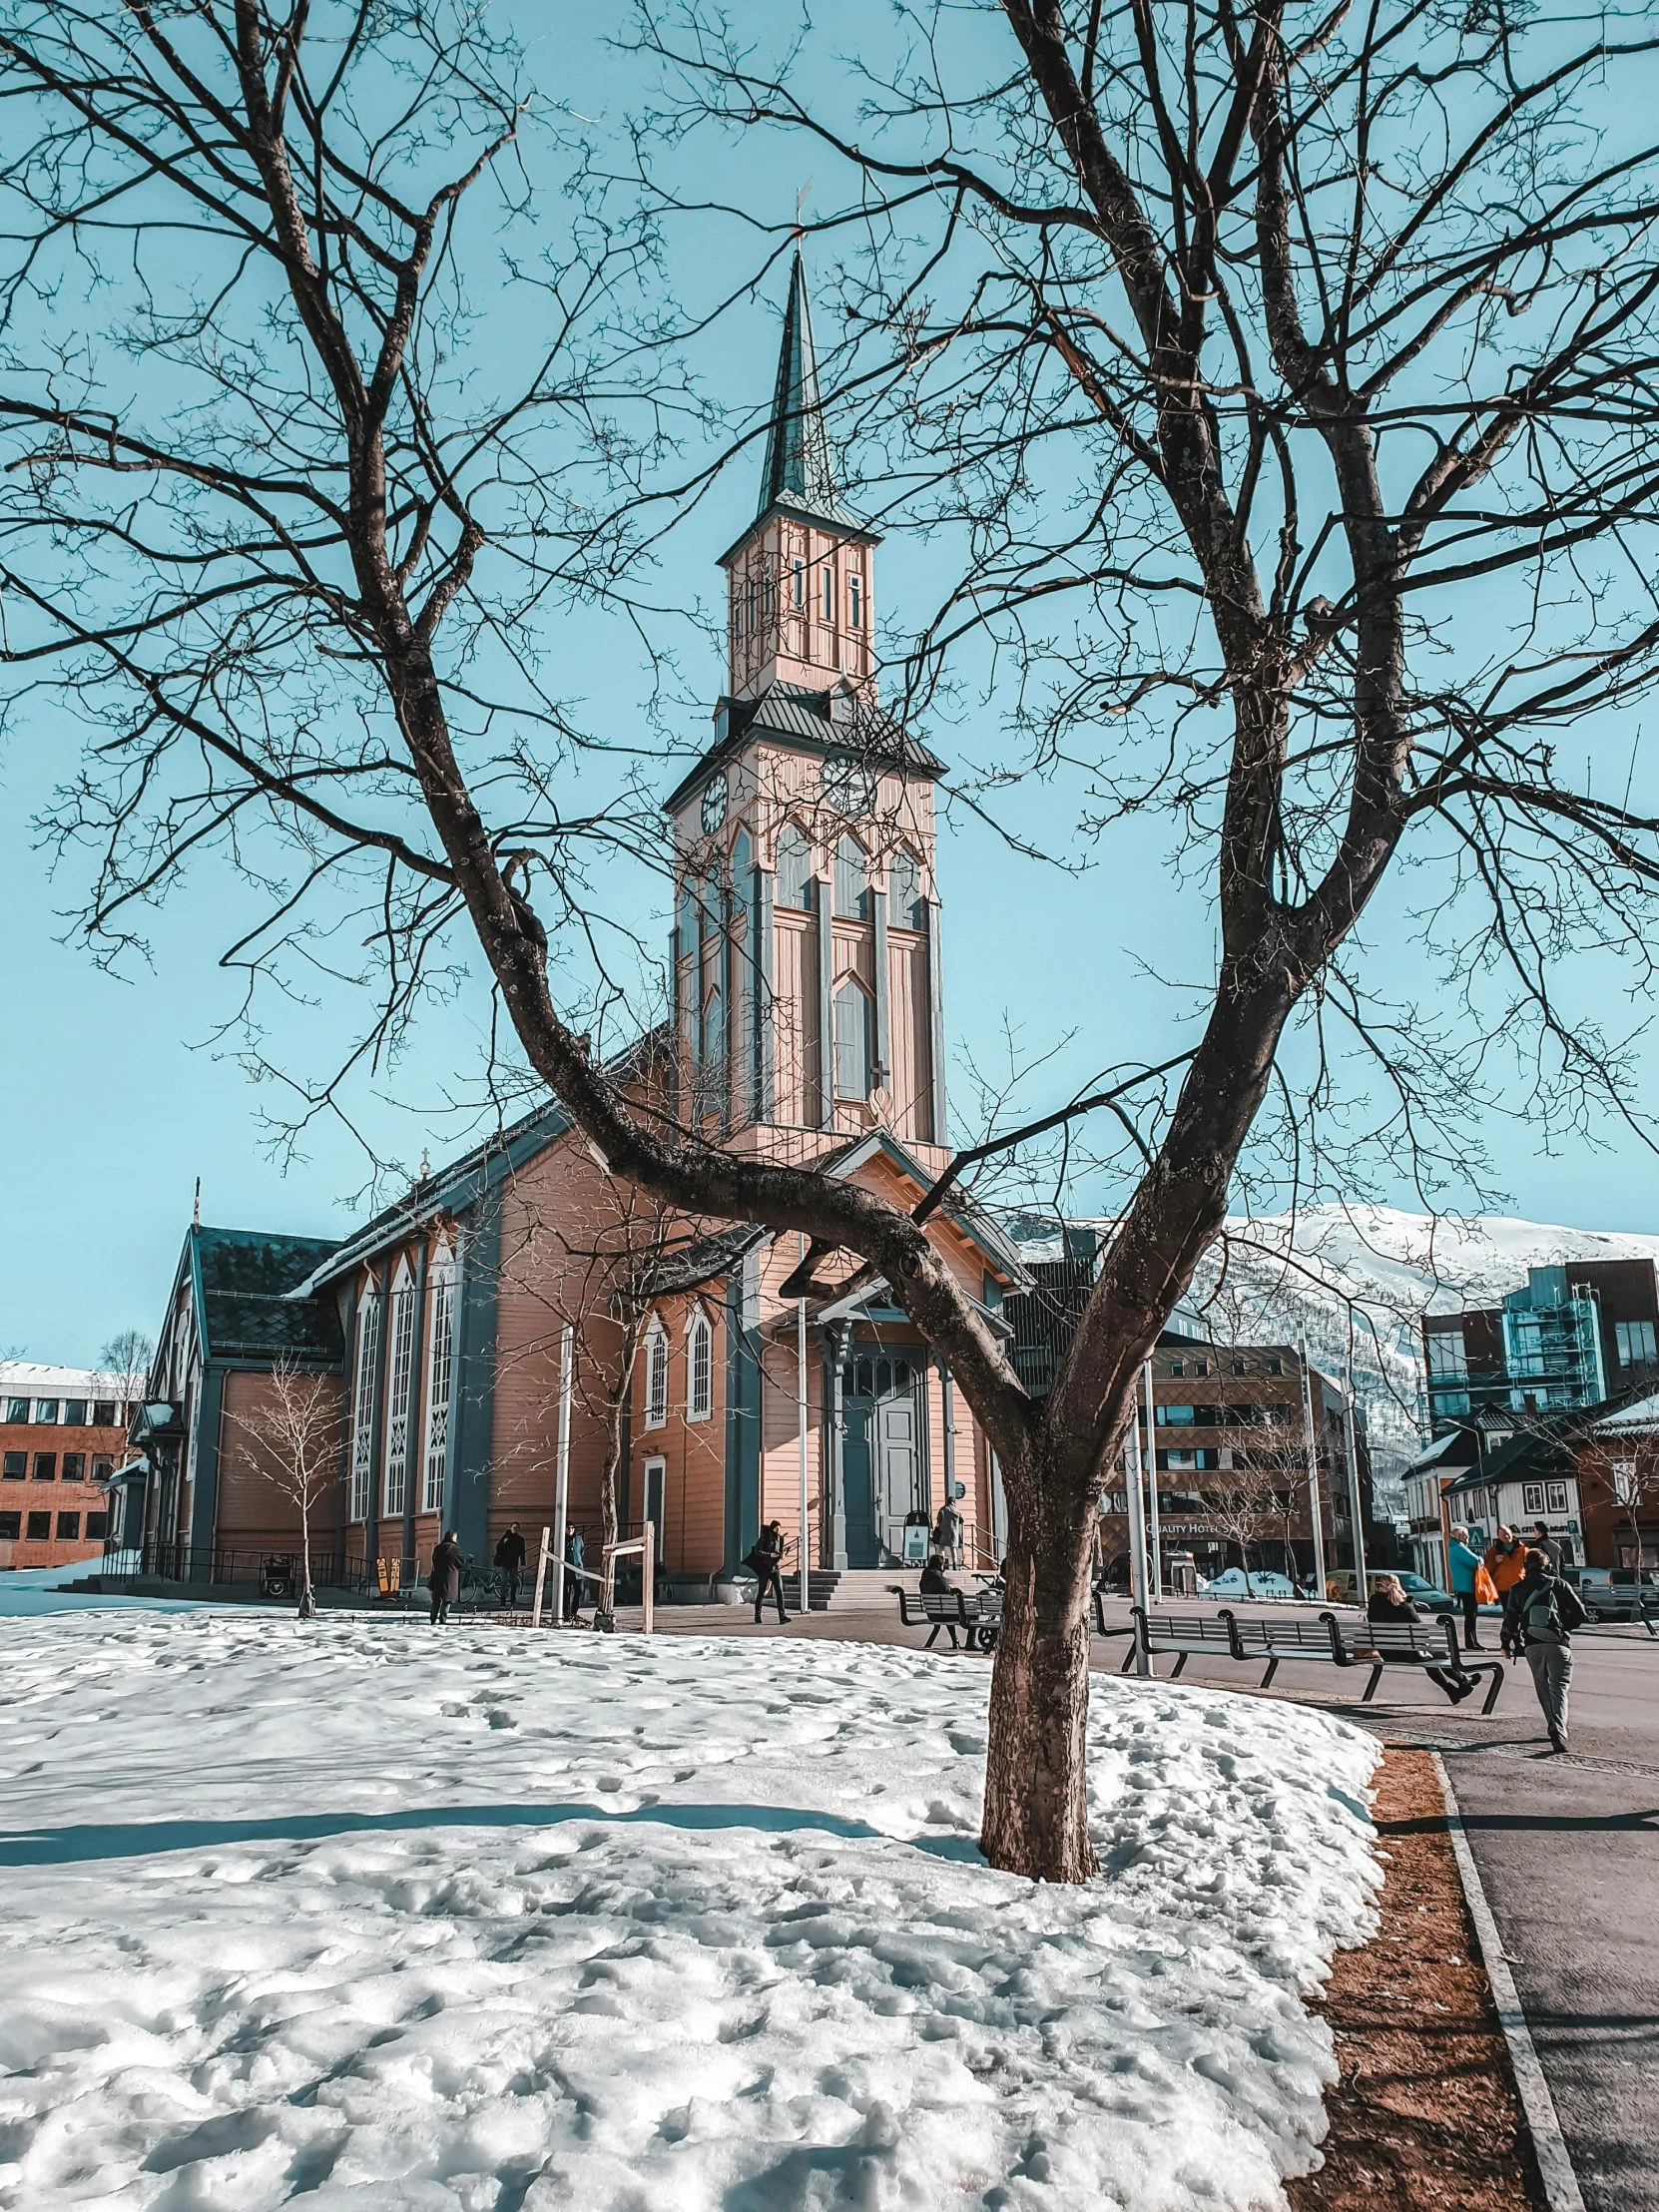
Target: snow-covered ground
x=376, y=1917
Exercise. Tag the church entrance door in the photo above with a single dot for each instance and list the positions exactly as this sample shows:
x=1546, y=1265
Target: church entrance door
x=880, y=1458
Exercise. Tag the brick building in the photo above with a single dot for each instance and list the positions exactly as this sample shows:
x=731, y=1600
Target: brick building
x=808, y=1024
x=63, y=1434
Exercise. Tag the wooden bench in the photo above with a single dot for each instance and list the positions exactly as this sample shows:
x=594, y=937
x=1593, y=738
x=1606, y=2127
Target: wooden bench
x=1183, y=1634
x=1413, y=1644
x=977, y=1612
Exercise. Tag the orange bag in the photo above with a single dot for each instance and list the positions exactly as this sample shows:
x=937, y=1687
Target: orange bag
x=1485, y=1589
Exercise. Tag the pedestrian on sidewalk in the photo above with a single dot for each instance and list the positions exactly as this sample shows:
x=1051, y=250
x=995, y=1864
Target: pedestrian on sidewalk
x=1539, y=1616
x=1465, y=1567
x=1540, y=1538
x=1388, y=1602
x=1505, y=1561
x=935, y=1584
x=948, y=1530
x=576, y=1559
x=509, y=1558
x=765, y=1561
x=444, y=1581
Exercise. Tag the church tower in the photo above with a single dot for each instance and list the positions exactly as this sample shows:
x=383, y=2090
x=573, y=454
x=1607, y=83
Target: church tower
x=805, y=947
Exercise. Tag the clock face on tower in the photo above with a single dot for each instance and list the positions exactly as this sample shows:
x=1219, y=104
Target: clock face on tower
x=714, y=804
x=847, y=786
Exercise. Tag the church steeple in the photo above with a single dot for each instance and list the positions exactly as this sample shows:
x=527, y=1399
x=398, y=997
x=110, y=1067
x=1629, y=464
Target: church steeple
x=800, y=608
x=798, y=471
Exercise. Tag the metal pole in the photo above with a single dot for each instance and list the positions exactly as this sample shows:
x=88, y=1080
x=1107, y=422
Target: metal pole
x=1157, y=1533
x=648, y=1575
x=541, y=1578
x=1135, y=1500
x=801, y=1429
x=1312, y=1435
x=561, y=1486
x=1358, y=1526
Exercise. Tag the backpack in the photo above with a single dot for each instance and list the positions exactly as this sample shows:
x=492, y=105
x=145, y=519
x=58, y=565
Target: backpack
x=1539, y=1620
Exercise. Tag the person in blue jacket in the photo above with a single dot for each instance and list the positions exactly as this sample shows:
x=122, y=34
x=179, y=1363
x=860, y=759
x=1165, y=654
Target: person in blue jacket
x=1466, y=1566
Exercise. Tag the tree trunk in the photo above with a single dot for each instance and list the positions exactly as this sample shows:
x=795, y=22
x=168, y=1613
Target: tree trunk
x=1036, y=1759
x=307, y=1600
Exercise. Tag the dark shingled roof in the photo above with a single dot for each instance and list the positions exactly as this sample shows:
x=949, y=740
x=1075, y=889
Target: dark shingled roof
x=831, y=724
x=245, y=1275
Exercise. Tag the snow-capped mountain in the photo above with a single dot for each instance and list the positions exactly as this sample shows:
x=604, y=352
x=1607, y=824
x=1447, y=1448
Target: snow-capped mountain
x=1363, y=1275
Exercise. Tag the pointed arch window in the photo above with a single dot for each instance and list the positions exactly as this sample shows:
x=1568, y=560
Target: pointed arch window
x=794, y=869
x=852, y=1040
x=395, y=1486
x=851, y=880
x=904, y=890
x=700, y=1367
x=440, y=1366
x=362, y=1400
x=655, y=1374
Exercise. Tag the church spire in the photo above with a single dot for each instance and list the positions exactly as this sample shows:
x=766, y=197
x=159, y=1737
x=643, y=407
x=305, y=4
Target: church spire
x=798, y=470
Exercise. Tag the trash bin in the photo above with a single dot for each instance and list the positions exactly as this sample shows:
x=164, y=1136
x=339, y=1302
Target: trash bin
x=276, y=1581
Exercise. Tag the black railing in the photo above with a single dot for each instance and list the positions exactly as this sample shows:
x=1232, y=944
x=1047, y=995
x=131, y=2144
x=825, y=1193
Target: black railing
x=213, y=1565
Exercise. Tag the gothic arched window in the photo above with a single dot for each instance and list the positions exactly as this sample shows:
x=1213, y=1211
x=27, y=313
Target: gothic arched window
x=794, y=869
x=851, y=880
x=700, y=1367
x=395, y=1488
x=655, y=1374
x=441, y=1368
x=904, y=890
x=853, y=1028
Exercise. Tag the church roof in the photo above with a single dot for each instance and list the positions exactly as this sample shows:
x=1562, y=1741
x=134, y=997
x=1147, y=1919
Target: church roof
x=829, y=724
x=243, y=1281
x=798, y=471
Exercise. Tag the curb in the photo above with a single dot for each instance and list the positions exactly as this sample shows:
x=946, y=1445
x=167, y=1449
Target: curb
x=1561, y=2192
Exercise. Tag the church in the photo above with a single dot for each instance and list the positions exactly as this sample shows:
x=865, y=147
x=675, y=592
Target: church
x=520, y=1306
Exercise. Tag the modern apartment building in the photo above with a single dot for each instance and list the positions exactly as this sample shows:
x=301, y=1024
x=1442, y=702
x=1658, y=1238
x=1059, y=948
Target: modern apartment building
x=1575, y=1335
x=63, y=1434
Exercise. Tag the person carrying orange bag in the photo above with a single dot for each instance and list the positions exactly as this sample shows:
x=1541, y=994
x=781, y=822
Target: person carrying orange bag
x=1505, y=1561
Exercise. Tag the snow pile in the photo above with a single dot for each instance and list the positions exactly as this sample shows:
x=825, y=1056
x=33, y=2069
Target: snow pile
x=386, y=1917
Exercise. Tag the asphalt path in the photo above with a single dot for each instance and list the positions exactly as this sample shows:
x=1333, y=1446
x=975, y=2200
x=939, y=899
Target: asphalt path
x=1568, y=1854
x=1568, y=1850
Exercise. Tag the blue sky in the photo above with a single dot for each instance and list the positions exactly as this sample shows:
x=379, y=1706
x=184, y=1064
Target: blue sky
x=116, y=1095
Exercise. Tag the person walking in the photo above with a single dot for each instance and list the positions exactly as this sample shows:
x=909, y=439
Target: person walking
x=1388, y=1602
x=1465, y=1565
x=444, y=1581
x=947, y=1532
x=765, y=1561
x=1540, y=1540
x=509, y=1558
x=1539, y=1616
x=936, y=1583
x=576, y=1559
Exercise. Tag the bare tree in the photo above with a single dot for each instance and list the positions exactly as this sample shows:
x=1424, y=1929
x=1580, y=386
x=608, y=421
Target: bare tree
x=293, y=1432
x=1624, y=1473
x=127, y=1358
x=1242, y=351
x=1245, y=1500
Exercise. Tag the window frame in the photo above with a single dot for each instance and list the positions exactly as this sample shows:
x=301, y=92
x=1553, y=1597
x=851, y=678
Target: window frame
x=786, y=843
x=17, y=1412
x=76, y=1461
x=655, y=1412
x=14, y=1467
x=48, y=1460
x=400, y=1358
x=360, y=1491
x=699, y=1365
x=854, y=600
x=439, y=1378
x=853, y=1082
x=32, y=1535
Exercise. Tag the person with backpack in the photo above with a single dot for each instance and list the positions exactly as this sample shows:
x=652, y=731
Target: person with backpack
x=1539, y=1616
x=765, y=1562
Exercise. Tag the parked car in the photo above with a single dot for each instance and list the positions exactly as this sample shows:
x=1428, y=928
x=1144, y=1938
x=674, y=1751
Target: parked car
x=1609, y=1593
x=1426, y=1596
x=1231, y=1583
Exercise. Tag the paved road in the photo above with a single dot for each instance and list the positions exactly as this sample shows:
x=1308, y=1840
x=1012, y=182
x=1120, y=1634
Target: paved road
x=1568, y=1851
